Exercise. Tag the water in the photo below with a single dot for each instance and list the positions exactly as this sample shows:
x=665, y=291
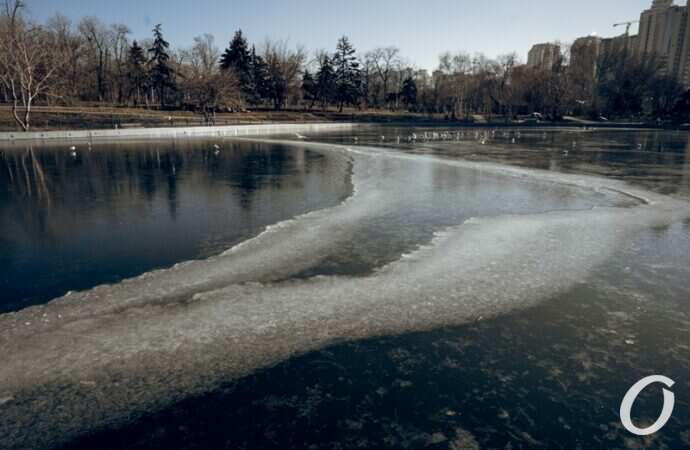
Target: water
x=521, y=307
x=71, y=223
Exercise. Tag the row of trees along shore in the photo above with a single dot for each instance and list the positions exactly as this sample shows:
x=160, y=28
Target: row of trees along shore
x=91, y=63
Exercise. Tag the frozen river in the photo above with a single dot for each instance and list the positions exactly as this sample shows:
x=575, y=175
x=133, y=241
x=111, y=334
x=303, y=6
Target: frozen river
x=467, y=287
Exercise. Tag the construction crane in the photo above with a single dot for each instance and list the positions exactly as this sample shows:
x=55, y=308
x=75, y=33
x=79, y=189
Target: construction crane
x=627, y=25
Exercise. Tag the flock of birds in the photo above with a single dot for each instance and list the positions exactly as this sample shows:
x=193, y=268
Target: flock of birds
x=482, y=137
x=73, y=150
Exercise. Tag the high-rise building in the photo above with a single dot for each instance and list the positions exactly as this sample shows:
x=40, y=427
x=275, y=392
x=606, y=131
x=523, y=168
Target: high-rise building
x=544, y=56
x=584, y=55
x=620, y=43
x=664, y=34
x=663, y=29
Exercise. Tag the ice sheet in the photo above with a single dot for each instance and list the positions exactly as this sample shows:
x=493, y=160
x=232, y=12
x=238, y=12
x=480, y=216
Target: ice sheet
x=104, y=356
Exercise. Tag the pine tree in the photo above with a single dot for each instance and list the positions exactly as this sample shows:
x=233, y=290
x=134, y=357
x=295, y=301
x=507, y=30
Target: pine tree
x=237, y=55
x=161, y=72
x=310, y=90
x=136, y=71
x=347, y=74
x=325, y=82
x=237, y=58
x=259, y=84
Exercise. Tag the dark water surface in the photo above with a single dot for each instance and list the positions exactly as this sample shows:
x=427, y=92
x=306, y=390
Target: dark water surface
x=73, y=222
x=551, y=376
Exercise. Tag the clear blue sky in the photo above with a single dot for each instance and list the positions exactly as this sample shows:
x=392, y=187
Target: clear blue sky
x=422, y=29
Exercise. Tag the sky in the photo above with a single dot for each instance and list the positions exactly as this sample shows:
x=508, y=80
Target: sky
x=422, y=29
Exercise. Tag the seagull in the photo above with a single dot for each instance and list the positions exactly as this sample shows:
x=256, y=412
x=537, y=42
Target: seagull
x=300, y=136
x=217, y=149
x=383, y=138
x=73, y=151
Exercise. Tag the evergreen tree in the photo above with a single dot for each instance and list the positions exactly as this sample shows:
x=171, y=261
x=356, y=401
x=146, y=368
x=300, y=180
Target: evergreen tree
x=325, y=82
x=348, y=78
x=136, y=71
x=408, y=93
x=259, y=79
x=277, y=84
x=310, y=90
x=237, y=55
x=161, y=72
x=237, y=58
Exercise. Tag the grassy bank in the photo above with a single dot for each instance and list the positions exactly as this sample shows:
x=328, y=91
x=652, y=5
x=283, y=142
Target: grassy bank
x=101, y=117
x=80, y=118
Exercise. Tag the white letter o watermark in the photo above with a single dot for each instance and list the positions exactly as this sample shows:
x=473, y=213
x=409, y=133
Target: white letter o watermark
x=631, y=395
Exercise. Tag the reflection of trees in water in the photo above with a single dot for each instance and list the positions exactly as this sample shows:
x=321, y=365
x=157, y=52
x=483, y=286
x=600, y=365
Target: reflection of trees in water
x=35, y=183
x=653, y=159
x=26, y=181
x=26, y=175
x=76, y=221
x=260, y=167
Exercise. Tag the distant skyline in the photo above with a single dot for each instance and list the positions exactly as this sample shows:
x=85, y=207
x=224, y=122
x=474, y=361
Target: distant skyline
x=421, y=29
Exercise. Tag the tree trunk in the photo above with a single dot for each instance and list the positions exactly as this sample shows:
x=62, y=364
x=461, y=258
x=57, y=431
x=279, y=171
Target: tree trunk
x=24, y=125
x=27, y=115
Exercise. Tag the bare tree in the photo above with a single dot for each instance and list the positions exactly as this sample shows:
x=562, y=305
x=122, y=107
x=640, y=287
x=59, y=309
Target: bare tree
x=119, y=43
x=29, y=59
x=506, y=85
x=206, y=87
x=384, y=61
x=69, y=74
x=284, y=68
x=204, y=54
x=97, y=38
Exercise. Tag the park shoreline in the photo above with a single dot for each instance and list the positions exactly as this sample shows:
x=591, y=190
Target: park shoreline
x=10, y=139
x=170, y=132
